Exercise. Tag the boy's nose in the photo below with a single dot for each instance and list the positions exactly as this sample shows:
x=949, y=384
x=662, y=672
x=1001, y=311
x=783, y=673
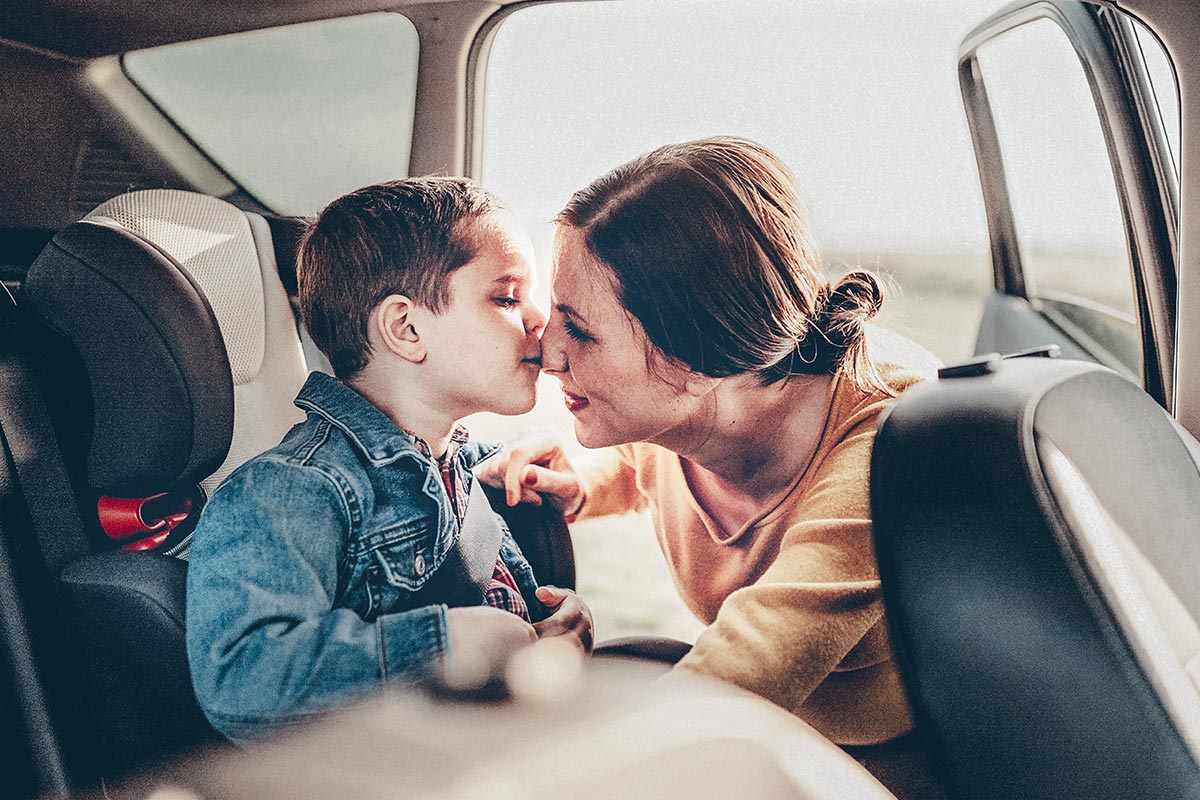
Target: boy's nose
x=535, y=319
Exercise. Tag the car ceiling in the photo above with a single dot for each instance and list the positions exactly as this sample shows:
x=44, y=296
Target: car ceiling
x=91, y=28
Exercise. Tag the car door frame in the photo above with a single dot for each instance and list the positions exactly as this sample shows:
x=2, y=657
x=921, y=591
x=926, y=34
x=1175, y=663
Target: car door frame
x=1147, y=188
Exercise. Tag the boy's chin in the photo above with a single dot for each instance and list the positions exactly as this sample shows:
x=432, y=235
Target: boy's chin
x=514, y=405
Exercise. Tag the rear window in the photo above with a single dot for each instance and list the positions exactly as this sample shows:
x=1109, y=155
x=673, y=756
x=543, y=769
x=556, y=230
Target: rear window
x=296, y=115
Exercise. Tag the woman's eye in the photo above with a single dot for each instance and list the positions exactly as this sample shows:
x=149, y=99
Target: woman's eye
x=575, y=332
x=506, y=302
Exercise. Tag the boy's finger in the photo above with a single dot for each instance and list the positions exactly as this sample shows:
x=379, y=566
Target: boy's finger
x=551, y=595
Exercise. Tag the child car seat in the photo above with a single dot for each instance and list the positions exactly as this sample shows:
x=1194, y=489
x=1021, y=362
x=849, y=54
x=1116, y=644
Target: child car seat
x=169, y=354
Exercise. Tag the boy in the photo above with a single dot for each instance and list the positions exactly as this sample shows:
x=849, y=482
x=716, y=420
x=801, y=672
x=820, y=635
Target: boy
x=361, y=550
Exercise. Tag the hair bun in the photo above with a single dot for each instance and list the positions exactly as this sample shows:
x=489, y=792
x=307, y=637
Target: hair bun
x=838, y=326
x=857, y=295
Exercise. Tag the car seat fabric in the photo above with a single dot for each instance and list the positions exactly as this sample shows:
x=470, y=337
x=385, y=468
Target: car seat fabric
x=173, y=306
x=1036, y=533
x=161, y=401
x=231, y=256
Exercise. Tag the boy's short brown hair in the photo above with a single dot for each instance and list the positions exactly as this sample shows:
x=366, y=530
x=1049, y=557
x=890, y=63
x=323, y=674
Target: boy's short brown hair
x=401, y=237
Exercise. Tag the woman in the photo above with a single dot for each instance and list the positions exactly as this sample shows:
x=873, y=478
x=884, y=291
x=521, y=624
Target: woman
x=691, y=327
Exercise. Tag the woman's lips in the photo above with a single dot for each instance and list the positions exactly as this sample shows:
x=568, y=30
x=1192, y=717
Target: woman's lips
x=575, y=403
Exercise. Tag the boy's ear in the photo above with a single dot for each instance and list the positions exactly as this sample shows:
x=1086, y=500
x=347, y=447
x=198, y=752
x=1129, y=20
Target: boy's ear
x=393, y=322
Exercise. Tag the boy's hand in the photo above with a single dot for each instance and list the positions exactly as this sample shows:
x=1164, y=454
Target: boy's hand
x=484, y=637
x=531, y=469
x=571, y=617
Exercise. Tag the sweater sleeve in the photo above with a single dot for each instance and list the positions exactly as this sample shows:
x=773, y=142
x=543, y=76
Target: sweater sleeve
x=805, y=617
x=609, y=479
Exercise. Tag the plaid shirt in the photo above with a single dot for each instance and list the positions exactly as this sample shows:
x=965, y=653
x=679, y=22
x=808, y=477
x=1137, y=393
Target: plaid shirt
x=502, y=591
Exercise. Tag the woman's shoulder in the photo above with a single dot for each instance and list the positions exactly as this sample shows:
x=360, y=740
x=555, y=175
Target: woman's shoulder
x=900, y=363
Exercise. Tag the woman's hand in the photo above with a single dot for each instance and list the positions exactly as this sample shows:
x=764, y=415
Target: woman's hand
x=532, y=469
x=571, y=617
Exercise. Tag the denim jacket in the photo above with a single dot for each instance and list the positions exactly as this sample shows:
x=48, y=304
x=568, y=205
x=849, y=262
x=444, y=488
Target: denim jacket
x=302, y=557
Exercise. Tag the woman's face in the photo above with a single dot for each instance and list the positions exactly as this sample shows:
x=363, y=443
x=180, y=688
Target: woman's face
x=616, y=391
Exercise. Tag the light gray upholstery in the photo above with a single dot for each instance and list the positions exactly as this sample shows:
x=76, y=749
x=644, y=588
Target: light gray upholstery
x=229, y=254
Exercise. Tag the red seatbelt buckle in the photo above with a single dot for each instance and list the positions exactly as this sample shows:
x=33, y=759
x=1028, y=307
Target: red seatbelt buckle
x=149, y=519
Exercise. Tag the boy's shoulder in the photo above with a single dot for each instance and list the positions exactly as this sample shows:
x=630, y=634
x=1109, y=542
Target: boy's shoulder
x=313, y=451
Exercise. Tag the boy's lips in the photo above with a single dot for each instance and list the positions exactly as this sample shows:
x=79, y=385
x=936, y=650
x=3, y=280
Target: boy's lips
x=575, y=403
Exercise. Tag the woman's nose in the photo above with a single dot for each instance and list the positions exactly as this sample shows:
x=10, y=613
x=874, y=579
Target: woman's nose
x=554, y=357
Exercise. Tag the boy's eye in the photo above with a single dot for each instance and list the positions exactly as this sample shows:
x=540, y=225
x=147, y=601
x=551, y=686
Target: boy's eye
x=575, y=332
x=506, y=302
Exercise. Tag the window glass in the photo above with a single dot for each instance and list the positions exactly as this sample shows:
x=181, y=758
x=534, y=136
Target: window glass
x=296, y=115
x=859, y=98
x=1064, y=198
x=1163, y=84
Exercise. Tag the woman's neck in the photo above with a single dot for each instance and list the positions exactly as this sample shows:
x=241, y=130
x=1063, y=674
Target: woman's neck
x=754, y=441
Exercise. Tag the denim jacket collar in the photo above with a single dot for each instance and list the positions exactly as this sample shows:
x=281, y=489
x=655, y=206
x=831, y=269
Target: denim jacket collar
x=368, y=428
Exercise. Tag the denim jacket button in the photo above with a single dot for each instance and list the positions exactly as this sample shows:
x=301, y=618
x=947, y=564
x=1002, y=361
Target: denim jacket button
x=419, y=564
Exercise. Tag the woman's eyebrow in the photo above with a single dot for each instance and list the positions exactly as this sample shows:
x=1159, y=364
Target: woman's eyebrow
x=563, y=308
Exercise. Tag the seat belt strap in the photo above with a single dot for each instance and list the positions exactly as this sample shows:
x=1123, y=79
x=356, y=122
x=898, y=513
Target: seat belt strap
x=17, y=650
x=463, y=577
x=33, y=446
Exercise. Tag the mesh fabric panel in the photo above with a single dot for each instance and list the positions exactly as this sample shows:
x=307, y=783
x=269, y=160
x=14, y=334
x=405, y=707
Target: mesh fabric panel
x=211, y=240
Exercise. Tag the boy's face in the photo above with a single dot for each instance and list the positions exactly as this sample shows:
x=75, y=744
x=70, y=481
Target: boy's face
x=483, y=352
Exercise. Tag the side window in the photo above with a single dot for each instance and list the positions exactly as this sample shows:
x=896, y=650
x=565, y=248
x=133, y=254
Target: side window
x=1065, y=205
x=1163, y=85
x=296, y=115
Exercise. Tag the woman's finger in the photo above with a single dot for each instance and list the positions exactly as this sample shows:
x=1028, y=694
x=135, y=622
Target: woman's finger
x=562, y=485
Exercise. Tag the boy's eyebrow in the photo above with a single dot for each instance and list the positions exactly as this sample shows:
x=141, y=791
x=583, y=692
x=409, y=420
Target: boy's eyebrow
x=507, y=278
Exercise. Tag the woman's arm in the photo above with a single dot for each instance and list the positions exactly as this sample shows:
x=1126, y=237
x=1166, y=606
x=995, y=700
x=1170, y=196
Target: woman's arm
x=535, y=469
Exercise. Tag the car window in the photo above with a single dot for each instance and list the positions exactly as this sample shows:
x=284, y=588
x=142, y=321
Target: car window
x=860, y=99
x=296, y=115
x=1163, y=84
x=1065, y=206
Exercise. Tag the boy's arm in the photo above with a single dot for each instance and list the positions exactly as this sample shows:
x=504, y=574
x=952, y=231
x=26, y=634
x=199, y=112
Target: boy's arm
x=553, y=610
x=265, y=643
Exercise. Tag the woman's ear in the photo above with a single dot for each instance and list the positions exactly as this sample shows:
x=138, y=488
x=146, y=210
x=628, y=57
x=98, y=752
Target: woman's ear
x=392, y=322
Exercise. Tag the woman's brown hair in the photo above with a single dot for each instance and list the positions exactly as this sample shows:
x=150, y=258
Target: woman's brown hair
x=709, y=248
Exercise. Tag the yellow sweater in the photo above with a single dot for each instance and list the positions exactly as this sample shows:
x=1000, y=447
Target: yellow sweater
x=792, y=601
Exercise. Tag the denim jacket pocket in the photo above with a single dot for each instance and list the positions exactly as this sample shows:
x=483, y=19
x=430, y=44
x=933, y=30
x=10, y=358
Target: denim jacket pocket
x=394, y=570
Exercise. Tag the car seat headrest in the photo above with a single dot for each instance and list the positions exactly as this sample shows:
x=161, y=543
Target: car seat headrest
x=211, y=240
x=173, y=301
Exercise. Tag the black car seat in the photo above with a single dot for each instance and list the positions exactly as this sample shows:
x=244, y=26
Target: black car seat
x=1038, y=531
x=167, y=352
